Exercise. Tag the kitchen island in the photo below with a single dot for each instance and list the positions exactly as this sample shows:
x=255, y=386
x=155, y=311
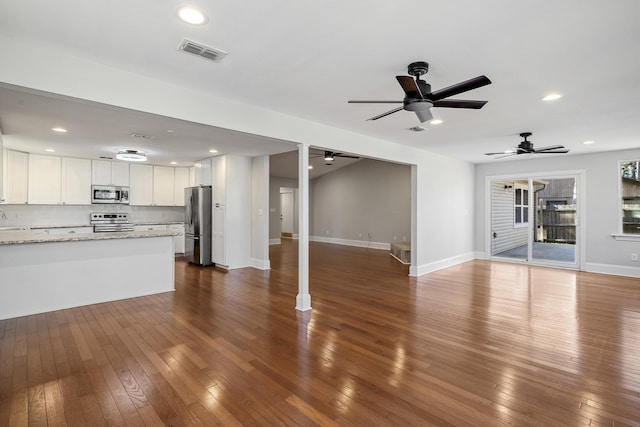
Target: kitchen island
x=40, y=273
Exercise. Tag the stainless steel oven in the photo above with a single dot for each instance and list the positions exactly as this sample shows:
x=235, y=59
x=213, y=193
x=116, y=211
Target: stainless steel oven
x=109, y=194
x=109, y=222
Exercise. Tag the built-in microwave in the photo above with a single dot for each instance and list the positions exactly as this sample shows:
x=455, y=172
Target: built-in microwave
x=109, y=194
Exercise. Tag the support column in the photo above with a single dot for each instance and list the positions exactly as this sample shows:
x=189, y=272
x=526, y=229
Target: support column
x=303, y=300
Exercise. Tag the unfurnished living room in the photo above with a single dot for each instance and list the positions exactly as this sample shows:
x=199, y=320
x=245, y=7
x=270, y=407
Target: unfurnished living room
x=319, y=213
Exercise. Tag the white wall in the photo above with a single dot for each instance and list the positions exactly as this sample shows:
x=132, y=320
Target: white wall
x=367, y=198
x=602, y=213
x=443, y=189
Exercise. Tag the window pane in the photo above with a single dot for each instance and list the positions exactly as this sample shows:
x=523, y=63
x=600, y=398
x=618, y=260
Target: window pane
x=525, y=197
x=518, y=196
x=525, y=214
x=518, y=215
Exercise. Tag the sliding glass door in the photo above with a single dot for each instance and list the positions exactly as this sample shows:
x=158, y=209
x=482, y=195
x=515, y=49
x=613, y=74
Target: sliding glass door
x=534, y=219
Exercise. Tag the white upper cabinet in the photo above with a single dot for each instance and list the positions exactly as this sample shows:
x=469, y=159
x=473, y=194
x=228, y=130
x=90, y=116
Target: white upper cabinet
x=105, y=172
x=44, y=180
x=76, y=181
x=141, y=185
x=3, y=162
x=202, y=172
x=163, y=186
x=181, y=182
x=16, y=175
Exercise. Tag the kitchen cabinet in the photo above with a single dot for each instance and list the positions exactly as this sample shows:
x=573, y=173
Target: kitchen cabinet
x=2, y=168
x=181, y=182
x=76, y=181
x=202, y=170
x=141, y=185
x=178, y=241
x=231, y=215
x=150, y=227
x=16, y=175
x=105, y=172
x=66, y=230
x=163, y=186
x=44, y=180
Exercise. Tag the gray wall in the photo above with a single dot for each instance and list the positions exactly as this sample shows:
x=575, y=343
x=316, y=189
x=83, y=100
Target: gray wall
x=602, y=205
x=368, y=196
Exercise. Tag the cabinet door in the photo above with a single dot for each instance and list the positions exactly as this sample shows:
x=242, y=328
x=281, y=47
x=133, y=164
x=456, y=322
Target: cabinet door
x=44, y=180
x=150, y=227
x=219, y=252
x=181, y=182
x=120, y=174
x=16, y=177
x=163, y=186
x=76, y=181
x=178, y=241
x=219, y=181
x=141, y=185
x=100, y=172
x=71, y=230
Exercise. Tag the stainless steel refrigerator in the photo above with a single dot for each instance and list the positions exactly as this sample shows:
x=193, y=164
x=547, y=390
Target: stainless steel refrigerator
x=197, y=232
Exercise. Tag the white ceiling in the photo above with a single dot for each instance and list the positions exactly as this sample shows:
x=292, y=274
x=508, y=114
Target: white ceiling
x=307, y=59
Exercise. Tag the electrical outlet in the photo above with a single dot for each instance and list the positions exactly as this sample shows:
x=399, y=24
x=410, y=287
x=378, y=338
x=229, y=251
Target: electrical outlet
x=634, y=257
x=404, y=238
x=395, y=238
x=327, y=231
x=360, y=235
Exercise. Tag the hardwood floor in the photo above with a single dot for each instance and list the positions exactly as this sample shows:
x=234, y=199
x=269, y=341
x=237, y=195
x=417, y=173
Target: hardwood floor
x=479, y=344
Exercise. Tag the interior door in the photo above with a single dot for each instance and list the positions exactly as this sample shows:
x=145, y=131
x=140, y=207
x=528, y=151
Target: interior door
x=286, y=213
x=534, y=219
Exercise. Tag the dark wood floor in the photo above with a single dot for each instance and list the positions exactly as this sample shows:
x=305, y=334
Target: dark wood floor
x=479, y=344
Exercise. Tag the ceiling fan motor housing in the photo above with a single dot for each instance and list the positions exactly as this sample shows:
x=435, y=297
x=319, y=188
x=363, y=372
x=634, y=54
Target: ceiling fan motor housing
x=417, y=69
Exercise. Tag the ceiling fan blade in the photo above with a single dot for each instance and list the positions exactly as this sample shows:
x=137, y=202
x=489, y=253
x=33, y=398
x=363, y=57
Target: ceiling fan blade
x=551, y=151
x=374, y=102
x=465, y=86
x=459, y=103
x=424, y=115
x=409, y=86
x=506, y=155
x=500, y=152
x=345, y=156
x=551, y=147
x=395, y=110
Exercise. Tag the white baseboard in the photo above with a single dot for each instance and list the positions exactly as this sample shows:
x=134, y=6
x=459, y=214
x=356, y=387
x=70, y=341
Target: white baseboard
x=348, y=242
x=617, y=270
x=440, y=264
x=261, y=264
x=275, y=241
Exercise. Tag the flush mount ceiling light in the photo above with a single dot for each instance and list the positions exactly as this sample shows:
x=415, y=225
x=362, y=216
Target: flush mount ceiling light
x=328, y=156
x=131, y=156
x=193, y=16
x=551, y=97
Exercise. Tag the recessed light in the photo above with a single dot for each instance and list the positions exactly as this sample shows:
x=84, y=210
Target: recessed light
x=436, y=122
x=588, y=142
x=551, y=97
x=213, y=150
x=170, y=130
x=310, y=167
x=59, y=130
x=174, y=163
x=192, y=16
x=50, y=150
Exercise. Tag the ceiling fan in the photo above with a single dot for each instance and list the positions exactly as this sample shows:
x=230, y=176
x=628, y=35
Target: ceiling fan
x=329, y=156
x=526, y=147
x=419, y=98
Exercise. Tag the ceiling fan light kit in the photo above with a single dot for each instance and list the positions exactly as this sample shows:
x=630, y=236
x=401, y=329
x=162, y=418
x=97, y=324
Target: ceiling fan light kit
x=419, y=98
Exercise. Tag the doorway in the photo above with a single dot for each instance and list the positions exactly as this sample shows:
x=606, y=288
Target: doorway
x=286, y=213
x=534, y=219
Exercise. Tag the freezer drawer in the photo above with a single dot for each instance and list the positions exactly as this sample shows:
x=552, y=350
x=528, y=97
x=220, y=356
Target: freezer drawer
x=197, y=250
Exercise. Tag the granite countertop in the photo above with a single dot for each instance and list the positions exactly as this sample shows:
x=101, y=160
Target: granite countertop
x=22, y=237
x=157, y=222
x=41, y=227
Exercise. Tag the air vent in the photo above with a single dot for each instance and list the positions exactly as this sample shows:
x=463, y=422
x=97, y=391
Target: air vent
x=417, y=129
x=142, y=136
x=198, y=49
x=106, y=158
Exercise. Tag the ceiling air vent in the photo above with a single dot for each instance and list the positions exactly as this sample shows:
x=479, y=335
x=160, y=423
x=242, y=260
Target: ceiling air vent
x=198, y=49
x=142, y=136
x=417, y=129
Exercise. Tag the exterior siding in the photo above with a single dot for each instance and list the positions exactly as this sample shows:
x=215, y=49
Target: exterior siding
x=502, y=221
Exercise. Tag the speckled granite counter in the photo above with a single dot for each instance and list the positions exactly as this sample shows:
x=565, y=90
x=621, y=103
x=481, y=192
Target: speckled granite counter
x=22, y=237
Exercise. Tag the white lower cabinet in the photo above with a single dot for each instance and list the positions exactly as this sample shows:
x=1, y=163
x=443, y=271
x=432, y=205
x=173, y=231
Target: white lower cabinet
x=62, y=230
x=178, y=241
x=150, y=227
x=219, y=250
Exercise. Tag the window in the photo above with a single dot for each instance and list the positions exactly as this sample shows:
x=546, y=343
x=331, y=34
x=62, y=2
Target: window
x=630, y=190
x=521, y=207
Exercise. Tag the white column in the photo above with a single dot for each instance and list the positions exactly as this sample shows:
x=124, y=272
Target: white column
x=303, y=300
